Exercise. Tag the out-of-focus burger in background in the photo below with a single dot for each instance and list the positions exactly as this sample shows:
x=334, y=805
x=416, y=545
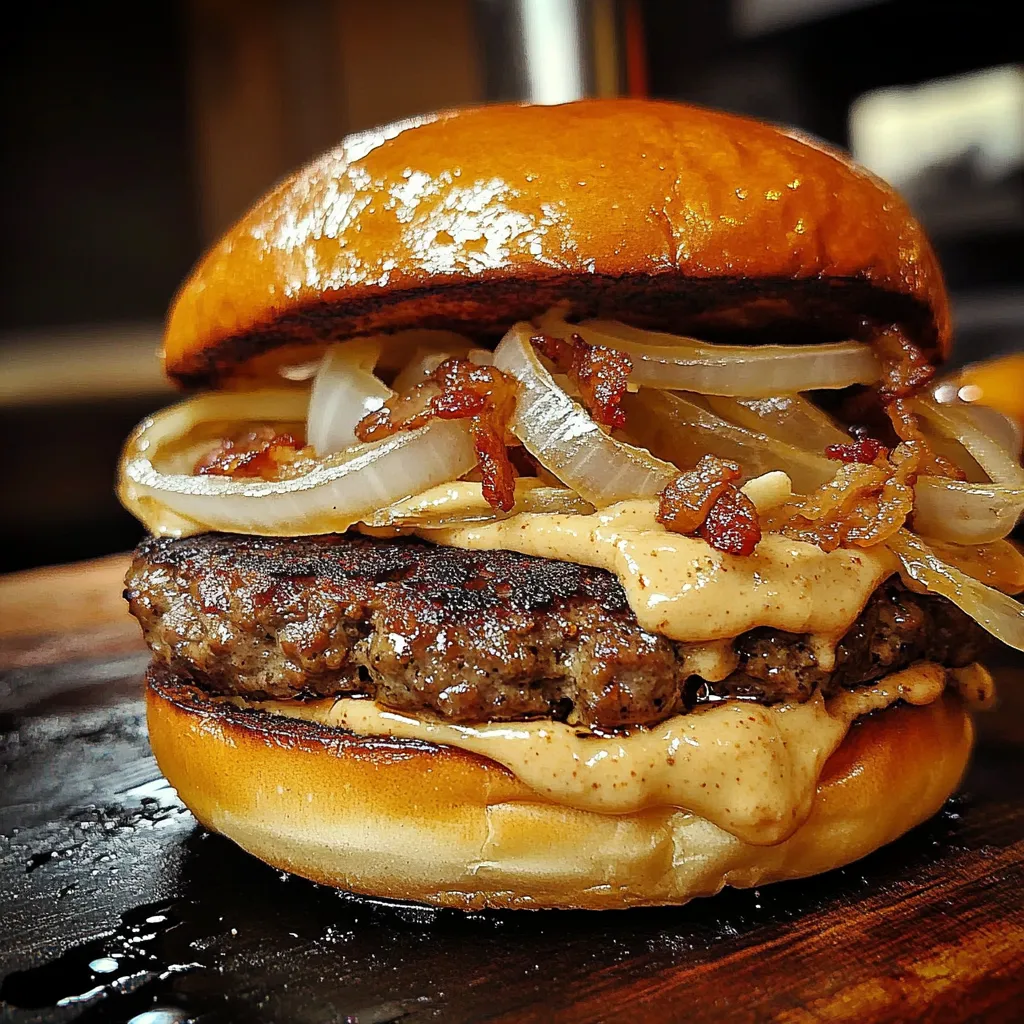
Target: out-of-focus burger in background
x=568, y=518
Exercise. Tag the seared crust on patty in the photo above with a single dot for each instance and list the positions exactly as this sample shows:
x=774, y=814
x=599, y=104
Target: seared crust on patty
x=478, y=635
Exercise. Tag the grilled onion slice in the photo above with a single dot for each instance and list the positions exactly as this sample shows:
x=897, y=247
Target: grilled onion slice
x=561, y=435
x=675, y=363
x=1002, y=616
x=326, y=495
x=463, y=502
x=344, y=391
x=674, y=426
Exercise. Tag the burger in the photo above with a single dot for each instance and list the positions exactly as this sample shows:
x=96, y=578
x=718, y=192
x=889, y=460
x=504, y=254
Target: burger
x=564, y=516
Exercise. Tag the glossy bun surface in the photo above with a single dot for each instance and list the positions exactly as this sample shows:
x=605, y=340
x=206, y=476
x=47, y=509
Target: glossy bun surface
x=663, y=215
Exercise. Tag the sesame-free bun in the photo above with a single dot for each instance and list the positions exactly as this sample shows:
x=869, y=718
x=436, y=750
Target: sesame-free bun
x=662, y=215
x=406, y=820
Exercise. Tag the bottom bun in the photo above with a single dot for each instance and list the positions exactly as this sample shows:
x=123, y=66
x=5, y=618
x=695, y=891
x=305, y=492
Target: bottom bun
x=407, y=820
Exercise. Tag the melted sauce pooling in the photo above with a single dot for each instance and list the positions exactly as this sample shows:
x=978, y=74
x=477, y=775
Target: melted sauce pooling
x=749, y=769
x=683, y=588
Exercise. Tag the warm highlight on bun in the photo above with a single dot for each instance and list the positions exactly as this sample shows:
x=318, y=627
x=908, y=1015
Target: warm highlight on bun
x=412, y=821
x=664, y=215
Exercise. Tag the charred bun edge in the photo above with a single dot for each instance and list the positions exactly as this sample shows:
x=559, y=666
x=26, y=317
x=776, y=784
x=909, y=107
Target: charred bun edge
x=754, y=311
x=409, y=820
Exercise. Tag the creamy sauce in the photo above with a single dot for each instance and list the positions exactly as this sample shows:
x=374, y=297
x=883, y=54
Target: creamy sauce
x=751, y=770
x=683, y=588
x=714, y=660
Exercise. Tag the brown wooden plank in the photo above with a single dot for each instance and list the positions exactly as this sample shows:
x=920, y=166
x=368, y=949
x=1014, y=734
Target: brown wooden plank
x=63, y=597
x=66, y=614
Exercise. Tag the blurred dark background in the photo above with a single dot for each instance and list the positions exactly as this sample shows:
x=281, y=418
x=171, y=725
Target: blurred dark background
x=135, y=133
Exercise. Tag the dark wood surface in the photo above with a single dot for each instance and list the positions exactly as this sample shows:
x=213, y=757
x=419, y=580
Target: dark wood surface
x=100, y=864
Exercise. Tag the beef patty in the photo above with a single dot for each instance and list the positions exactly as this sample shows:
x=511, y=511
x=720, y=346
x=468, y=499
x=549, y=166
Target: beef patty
x=481, y=635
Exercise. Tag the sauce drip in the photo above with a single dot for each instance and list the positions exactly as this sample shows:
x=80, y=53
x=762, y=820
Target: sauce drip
x=684, y=589
x=749, y=769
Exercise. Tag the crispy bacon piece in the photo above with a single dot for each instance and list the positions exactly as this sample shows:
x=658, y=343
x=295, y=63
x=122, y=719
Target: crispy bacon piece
x=905, y=371
x=685, y=503
x=733, y=524
x=908, y=429
x=600, y=373
x=863, y=505
x=459, y=389
x=261, y=452
x=867, y=449
x=905, y=368
x=706, y=500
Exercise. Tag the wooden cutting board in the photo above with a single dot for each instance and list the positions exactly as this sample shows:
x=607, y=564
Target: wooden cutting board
x=115, y=903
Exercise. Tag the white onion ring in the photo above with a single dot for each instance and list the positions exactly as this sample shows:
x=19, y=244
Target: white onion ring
x=175, y=422
x=566, y=441
x=338, y=491
x=960, y=423
x=791, y=419
x=965, y=513
x=344, y=391
x=960, y=511
x=675, y=427
x=949, y=510
x=673, y=363
x=1002, y=616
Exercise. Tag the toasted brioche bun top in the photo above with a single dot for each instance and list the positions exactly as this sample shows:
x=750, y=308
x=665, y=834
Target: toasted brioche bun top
x=663, y=215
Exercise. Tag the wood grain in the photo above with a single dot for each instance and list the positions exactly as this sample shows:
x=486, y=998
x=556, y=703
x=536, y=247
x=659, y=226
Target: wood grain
x=98, y=859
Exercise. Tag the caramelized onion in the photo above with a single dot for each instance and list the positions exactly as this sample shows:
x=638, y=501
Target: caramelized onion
x=950, y=510
x=464, y=502
x=565, y=440
x=792, y=419
x=674, y=426
x=965, y=513
x=960, y=423
x=861, y=506
x=331, y=495
x=999, y=564
x=674, y=363
x=1002, y=616
x=344, y=391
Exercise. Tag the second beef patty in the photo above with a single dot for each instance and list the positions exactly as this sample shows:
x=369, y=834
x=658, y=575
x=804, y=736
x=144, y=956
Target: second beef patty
x=480, y=635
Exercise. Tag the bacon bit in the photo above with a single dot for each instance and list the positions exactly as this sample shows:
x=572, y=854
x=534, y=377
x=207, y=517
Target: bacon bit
x=863, y=505
x=460, y=389
x=905, y=371
x=732, y=524
x=685, y=503
x=706, y=500
x=905, y=368
x=867, y=449
x=262, y=452
x=908, y=428
x=600, y=373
